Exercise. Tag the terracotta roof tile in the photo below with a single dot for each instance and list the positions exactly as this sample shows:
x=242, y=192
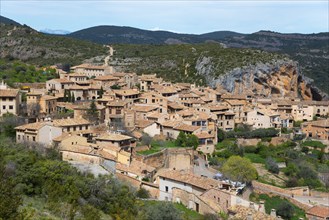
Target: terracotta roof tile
x=319, y=211
x=8, y=92
x=189, y=178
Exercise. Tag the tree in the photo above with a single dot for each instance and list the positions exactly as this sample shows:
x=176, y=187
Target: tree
x=285, y=210
x=239, y=169
x=69, y=96
x=142, y=193
x=101, y=92
x=92, y=112
x=181, y=139
x=146, y=139
x=72, y=98
x=33, y=109
x=9, y=198
x=66, y=98
x=162, y=211
x=192, y=141
x=8, y=122
x=271, y=165
x=220, y=135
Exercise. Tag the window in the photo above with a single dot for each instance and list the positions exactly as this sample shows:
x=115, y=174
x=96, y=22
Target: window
x=167, y=189
x=18, y=137
x=33, y=138
x=3, y=107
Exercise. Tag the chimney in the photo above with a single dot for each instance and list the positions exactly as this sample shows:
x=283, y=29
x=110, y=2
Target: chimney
x=261, y=206
x=251, y=205
x=249, y=216
x=273, y=213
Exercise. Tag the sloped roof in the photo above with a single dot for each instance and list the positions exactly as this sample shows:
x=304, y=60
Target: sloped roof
x=189, y=178
x=8, y=92
x=319, y=211
x=114, y=137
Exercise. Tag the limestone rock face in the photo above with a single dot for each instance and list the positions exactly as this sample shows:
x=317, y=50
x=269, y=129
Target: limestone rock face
x=278, y=79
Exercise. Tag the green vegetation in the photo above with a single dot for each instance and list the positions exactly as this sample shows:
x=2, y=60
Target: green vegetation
x=257, y=133
x=303, y=164
x=36, y=184
x=171, y=61
x=28, y=45
x=157, y=146
x=314, y=144
x=15, y=71
x=187, y=140
x=169, y=211
x=239, y=169
x=283, y=207
x=254, y=158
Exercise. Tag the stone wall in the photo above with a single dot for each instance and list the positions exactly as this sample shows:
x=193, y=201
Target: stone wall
x=248, y=142
x=178, y=158
x=284, y=193
x=222, y=198
x=191, y=201
x=83, y=158
x=132, y=181
x=319, y=194
x=298, y=191
x=152, y=188
x=156, y=160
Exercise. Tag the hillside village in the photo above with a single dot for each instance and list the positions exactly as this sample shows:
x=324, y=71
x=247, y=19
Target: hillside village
x=96, y=116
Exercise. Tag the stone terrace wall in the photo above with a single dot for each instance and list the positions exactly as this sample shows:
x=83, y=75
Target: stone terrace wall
x=284, y=193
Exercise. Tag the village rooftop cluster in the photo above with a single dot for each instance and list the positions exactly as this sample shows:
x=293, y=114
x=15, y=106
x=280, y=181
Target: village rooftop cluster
x=130, y=107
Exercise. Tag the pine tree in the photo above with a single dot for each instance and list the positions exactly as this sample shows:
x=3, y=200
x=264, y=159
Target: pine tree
x=69, y=96
x=72, y=98
x=101, y=92
x=92, y=112
x=65, y=96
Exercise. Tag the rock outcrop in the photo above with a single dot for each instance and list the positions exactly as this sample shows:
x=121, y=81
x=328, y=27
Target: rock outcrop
x=280, y=78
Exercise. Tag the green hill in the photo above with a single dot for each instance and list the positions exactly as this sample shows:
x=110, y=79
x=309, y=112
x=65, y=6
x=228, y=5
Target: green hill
x=25, y=44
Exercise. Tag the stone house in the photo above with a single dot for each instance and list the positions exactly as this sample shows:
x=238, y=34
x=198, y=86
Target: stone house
x=136, y=169
x=58, y=86
x=317, y=129
x=119, y=140
x=149, y=127
x=152, y=98
x=237, y=106
x=124, y=94
x=9, y=101
x=263, y=118
x=38, y=132
x=185, y=181
x=318, y=213
x=91, y=70
x=141, y=110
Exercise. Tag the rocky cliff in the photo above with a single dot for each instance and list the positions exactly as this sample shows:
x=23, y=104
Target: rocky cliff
x=280, y=78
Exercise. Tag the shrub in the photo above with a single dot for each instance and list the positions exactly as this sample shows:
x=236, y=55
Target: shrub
x=271, y=165
x=285, y=210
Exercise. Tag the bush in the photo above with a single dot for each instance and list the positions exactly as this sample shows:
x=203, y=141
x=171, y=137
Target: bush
x=142, y=193
x=285, y=210
x=271, y=165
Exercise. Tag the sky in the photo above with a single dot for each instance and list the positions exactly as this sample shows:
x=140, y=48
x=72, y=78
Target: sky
x=195, y=17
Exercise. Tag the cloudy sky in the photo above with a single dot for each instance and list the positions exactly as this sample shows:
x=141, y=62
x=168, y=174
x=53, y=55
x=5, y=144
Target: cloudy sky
x=178, y=16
